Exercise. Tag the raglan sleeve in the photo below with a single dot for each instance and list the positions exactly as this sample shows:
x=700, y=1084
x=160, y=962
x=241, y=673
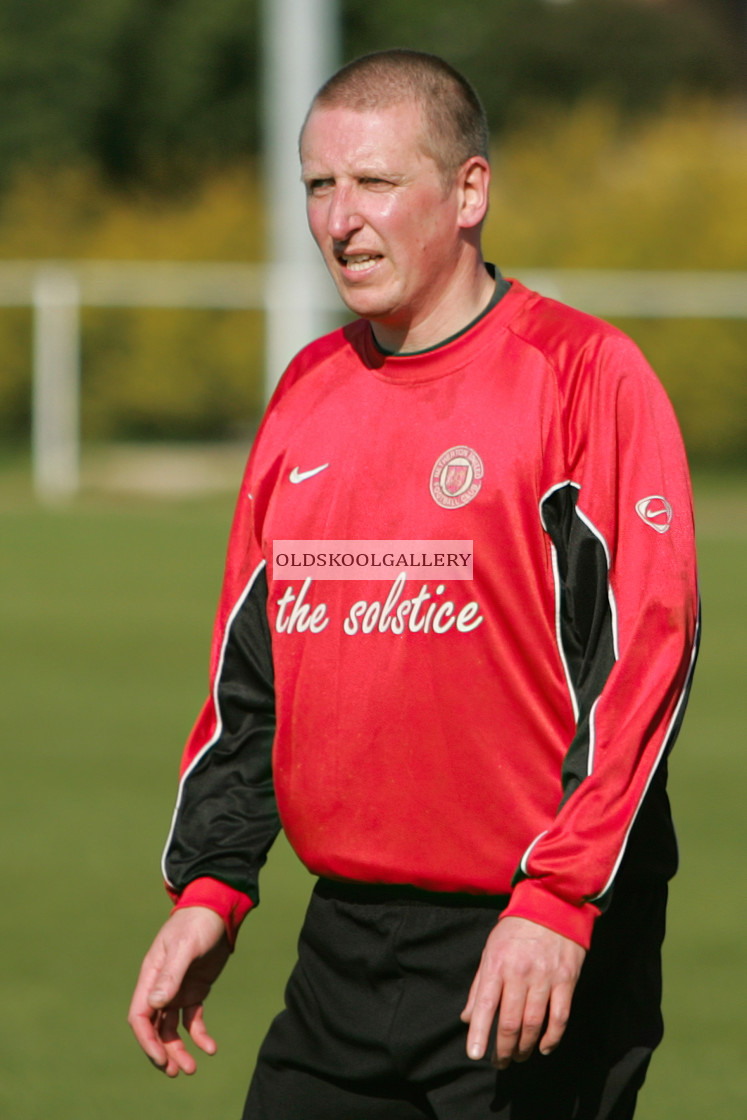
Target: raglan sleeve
x=226, y=818
x=622, y=537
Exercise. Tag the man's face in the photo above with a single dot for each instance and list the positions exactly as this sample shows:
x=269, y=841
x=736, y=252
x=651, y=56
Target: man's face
x=378, y=209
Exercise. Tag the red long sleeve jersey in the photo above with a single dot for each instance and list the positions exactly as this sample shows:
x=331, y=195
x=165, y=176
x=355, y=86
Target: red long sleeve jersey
x=503, y=734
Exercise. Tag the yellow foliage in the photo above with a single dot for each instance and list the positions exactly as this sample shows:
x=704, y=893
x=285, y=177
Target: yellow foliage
x=580, y=190
x=145, y=372
x=175, y=374
x=703, y=365
x=576, y=189
x=15, y=329
x=71, y=214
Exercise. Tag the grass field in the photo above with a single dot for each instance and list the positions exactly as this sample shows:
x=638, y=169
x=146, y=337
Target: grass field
x=106, y=611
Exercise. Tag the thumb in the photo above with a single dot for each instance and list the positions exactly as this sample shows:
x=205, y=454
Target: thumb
x=161, y=993
x=189, y=934
x=167, y=982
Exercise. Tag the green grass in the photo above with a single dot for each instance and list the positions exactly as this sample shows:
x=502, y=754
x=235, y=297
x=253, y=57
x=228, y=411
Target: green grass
x=700, y=1069
x=106, y=612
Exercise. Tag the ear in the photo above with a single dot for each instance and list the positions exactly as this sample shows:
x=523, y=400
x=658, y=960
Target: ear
x=474, y=191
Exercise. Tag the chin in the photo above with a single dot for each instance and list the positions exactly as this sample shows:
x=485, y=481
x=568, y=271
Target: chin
x=366, y=309
x=369, y=304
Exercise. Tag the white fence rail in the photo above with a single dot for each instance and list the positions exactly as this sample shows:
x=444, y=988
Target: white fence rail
x=56, y=290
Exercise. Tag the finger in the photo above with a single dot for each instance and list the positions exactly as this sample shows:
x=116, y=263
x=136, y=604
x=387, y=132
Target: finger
x=535, y=1012
x=143, y=1022
x=466, y=1013
x=560, y=1009
x=487, y=997
x=510, y=1023
x=147, y=1037
x=179, y=1058
x=194, y=1021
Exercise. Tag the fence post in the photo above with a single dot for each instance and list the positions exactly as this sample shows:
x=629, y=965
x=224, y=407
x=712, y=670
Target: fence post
x=55, y=439
x=301, y=42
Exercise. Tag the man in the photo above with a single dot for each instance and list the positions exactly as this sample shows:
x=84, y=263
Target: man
x=468, y=742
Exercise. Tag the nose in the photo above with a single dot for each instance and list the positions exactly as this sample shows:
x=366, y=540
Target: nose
x=343, y=217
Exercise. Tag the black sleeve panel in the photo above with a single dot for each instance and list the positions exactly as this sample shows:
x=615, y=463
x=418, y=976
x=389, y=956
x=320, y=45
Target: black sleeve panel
x=226, y=817
x=585, y=618
x=587, y=635
x=652, y=846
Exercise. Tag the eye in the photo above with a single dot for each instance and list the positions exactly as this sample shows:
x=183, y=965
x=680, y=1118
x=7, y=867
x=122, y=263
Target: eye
x=319, y=186
x=374, y=183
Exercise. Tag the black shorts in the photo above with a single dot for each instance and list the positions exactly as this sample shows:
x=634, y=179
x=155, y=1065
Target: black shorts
x=371, y=1029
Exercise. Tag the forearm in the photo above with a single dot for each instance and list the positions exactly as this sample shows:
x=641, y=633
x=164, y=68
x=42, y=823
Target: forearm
x=627, y=628
x=226, y=815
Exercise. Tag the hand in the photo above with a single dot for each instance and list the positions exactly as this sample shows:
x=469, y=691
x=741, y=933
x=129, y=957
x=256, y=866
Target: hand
x=177, y=973
x=527, y=972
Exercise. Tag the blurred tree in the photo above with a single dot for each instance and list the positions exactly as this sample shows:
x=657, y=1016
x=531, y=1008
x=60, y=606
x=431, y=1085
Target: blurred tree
x=154, y=92
x=55, y=74
x=734, y=12
x=520, y=52
x=158, y=94
x=731, y=15
x=184, y=93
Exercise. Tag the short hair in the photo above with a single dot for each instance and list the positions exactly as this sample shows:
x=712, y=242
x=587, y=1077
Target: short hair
x=455, y=124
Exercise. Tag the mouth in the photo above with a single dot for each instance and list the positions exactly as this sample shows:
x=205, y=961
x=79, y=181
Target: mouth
x=358, y=262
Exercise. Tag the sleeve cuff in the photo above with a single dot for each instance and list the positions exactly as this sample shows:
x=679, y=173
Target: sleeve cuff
x=531, y=900
x=230, y=905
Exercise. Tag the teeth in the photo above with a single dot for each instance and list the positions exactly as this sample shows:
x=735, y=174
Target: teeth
x=358, y=262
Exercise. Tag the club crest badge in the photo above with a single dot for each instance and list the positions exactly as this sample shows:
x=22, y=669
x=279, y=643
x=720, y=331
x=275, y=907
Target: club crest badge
x=457, y=477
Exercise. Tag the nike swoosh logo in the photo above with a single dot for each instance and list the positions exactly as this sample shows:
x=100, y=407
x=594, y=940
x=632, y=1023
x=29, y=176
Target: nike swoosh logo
x=655, y=511
x=300, y=476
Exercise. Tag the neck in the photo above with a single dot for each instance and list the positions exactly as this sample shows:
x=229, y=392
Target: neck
x=452, y=310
